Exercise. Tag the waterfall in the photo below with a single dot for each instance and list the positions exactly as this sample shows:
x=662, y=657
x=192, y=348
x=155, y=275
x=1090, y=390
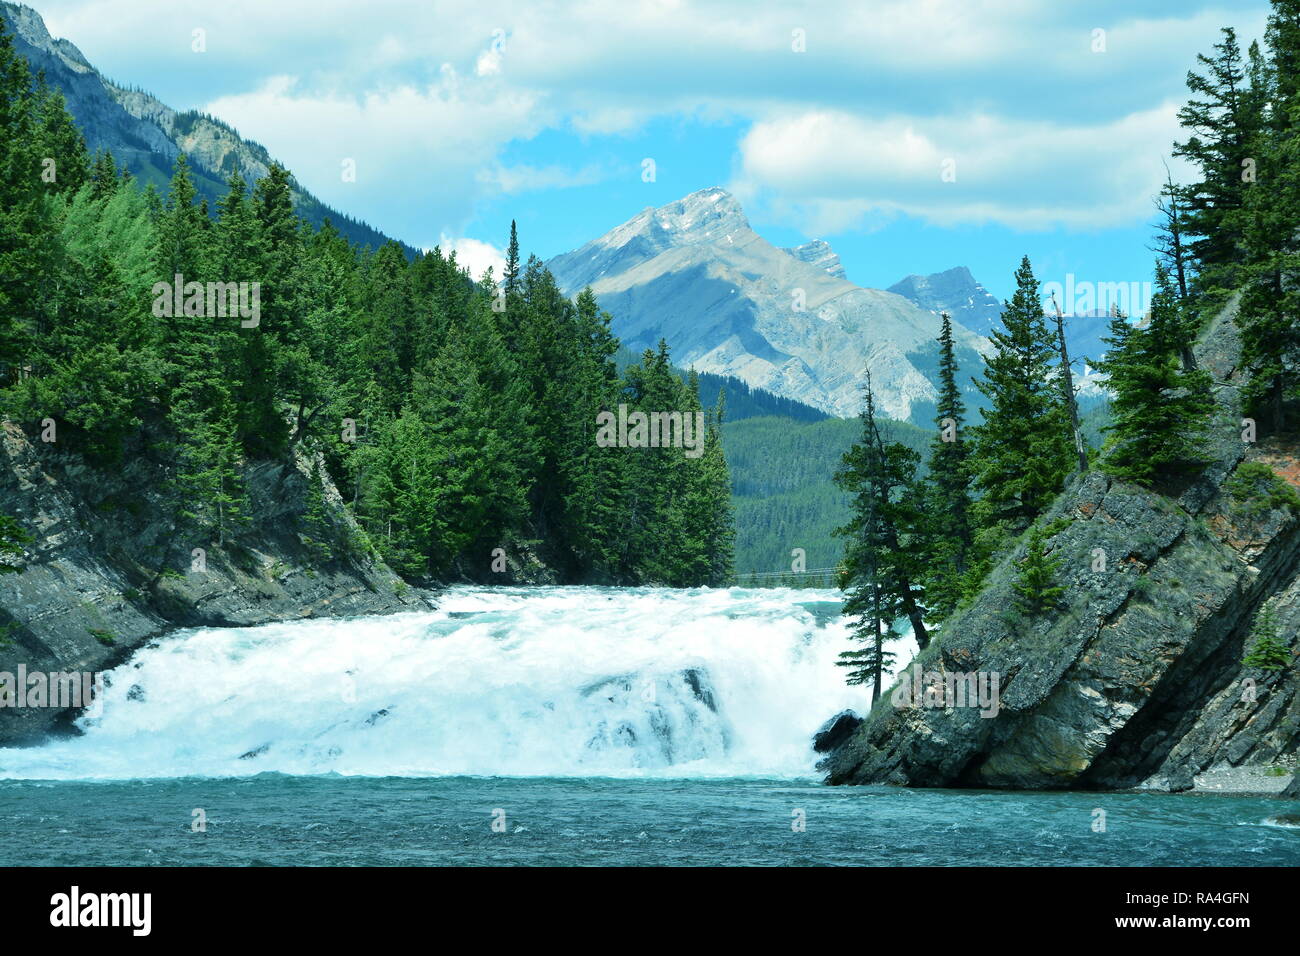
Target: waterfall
x=555, y=681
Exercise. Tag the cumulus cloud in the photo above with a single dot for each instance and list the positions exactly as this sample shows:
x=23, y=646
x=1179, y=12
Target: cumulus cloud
x=835, y=170
x=475, y=255
x=434, y=101
x=419, y=150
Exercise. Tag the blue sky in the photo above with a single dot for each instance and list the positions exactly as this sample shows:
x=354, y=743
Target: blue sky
x=1055, y=117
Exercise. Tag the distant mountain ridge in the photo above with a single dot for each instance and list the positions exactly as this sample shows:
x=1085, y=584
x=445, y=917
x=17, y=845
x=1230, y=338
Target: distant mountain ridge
x=728, y=302
x=146, y=135
x=956, y=292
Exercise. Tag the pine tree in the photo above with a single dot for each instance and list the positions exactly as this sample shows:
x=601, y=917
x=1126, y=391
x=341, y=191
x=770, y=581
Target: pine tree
x=706, y=502
x=1160, y=411
x=949, y=535
x=1023, y=449
x=1035, y=591
x=1171, y=237
x=594, y=475
x=317, y=531
x=29, y=247
x=1221, y=130
x=1268, y=651
x=12, y=539
x=511, y=273
x=58, y=141
x=1270, y=301
x=882, y=561
x=275, y=364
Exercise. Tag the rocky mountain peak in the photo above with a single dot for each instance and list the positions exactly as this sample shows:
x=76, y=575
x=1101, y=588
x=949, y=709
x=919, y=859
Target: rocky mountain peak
x=727, y=301
x=27, y=24
x=941, y=289
x=706, y=215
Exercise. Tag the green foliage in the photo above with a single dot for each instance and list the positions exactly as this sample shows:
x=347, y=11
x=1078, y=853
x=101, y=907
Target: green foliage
x=1023, y=449
x=1160, y=409
x=1222, y=118
x=1268, y=651
x=1242, y=208
x=475, y=425
x=882, y=558
x=949, y=532
x=12, y=539
x=1036, y=592
x=783, y=493
x=105, y=637
x=317, y=529
x=1255, y=489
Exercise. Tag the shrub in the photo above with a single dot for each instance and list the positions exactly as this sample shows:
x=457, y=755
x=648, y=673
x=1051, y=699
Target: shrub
x=1267, y=652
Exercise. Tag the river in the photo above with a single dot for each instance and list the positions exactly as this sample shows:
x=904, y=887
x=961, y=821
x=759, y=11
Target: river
x=535, y=726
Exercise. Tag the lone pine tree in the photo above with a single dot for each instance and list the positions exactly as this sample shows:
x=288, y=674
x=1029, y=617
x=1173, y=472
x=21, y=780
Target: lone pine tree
x=1023, y=448
x=1036, y=592
x=948, y=530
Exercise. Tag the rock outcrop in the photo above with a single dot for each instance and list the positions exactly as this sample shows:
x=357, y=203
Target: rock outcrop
x=836, y=731
x=819, y=253
x=1138, y=681
x=107, y=571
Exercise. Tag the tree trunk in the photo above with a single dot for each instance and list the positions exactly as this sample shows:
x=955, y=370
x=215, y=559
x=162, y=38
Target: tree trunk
x=1067, y=384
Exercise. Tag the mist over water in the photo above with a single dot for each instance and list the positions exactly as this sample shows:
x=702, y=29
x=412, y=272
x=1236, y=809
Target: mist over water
x=497, y=681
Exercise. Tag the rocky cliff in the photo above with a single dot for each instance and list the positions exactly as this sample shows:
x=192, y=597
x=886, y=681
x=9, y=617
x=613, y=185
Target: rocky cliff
x=107, y=571
x=1138, y=681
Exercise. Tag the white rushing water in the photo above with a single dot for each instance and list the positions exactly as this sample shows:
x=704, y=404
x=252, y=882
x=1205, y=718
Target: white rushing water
x=496, y=681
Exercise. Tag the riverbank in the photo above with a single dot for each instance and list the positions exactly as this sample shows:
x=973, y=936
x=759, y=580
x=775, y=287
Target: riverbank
x=107, y=570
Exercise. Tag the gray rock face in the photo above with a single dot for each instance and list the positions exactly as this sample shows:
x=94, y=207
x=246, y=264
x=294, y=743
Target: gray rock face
x=819, y=253
x=836, y=731
x=107, y=570
x=1138, y=680
x=727, y=301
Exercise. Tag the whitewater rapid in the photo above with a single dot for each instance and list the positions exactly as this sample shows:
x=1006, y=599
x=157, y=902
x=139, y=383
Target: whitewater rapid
x=495, y=682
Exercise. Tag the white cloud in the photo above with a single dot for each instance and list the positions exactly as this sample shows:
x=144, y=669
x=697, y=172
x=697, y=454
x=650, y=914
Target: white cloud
x=416, y=148
x=832, y=171
x=475, y=255
x=523, y=178
x=427, y=98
